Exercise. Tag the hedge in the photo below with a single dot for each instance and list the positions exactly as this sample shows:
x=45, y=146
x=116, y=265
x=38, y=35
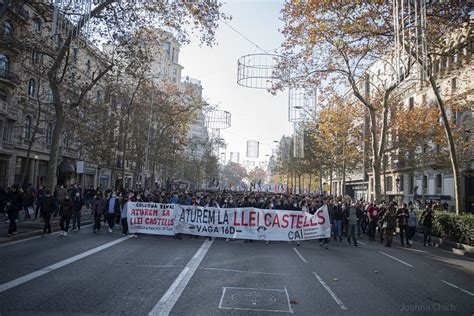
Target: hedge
x=456, y=228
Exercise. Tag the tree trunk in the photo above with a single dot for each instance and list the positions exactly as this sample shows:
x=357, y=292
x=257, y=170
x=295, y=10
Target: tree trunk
x=30, y=145
x=321, y=179
x=376, y=160
x=51, y=174
x=452, y=148
x=309, y=186
x=330, y=180
x=343, y=189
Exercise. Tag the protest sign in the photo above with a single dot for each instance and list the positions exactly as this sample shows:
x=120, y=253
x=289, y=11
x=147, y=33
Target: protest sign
x=239, y=223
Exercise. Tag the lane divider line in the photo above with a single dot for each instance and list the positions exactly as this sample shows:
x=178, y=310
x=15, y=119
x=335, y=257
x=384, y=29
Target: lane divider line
x=328, y=289
x=360, y=242
x=457, y=287
x=300, y=255
x=169, y=299
x=401, y=261
x=9, y=285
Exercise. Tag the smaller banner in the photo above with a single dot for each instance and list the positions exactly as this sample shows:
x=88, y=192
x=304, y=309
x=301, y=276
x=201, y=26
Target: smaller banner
x=151, y=218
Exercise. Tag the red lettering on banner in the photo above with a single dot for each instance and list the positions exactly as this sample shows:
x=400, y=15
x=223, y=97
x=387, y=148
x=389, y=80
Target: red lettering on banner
x=299, y=222
x=284, y=219
x=267, y=217
x=243, y=219
x=276, y=221
x=323, y=220
x=252, y=218
x=236, y=223
x=293, y=216
x=135, y=221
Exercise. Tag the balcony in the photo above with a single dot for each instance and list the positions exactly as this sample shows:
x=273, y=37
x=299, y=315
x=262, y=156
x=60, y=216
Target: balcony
x=3, y=107
x=19, y=12
x=10, y=41
x=9, y=77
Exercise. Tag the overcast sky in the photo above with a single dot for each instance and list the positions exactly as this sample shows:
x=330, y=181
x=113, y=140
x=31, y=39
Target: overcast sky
x=256, y=114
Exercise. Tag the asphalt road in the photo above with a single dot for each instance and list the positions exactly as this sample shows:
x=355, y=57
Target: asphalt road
x=106, y=274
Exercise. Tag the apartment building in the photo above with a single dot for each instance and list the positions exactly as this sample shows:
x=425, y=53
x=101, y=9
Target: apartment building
x=403, y=180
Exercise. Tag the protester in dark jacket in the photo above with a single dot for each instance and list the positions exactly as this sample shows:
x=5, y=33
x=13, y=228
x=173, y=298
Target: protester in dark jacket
x=28, y=202
x=14, y=205
x=66, y=211
x=98, y=208
x=47, y=207
x=76, y=219
x=427, y=221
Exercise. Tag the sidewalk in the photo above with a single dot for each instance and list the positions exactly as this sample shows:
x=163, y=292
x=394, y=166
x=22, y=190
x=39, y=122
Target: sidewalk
x=31, y=228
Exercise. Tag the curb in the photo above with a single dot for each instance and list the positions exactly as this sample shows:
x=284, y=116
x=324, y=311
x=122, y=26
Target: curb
x=34, y=233
x=457, y=248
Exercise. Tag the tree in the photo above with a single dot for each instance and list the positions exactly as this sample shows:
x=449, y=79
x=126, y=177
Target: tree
x=113, y=21
x=233, y=173
x=335, y=44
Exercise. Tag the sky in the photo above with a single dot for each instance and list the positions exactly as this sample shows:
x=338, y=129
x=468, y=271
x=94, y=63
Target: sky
x=256, y=114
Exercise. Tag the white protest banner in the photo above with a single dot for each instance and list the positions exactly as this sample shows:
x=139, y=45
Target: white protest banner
x=151, y=218
x=253, y=223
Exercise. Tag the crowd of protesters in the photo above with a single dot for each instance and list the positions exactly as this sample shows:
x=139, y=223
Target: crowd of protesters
x=350, y=219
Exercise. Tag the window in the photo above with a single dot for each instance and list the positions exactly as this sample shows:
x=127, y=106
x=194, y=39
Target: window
x=74, y=55
x=49, y=134
x=7, y=29
x=444, y=62
x=27, y=127
x=35, y=56
x=7, y=132
x=439, y=181
x=389, y=183
x=50, y=96
x=38, y=25
x=411, y=103
x=168, y=48
x=4, y=64
x=411, y=184
x=99, y=96
x=88, y=65
x=454, y=85
x=401, y=186
x=3, y=95
x=425, y=182
x=31, y=87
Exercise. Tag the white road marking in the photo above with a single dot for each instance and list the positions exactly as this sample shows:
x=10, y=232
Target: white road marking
x=6, y=286
x=242, y=271
x=299, y=255
x=333, y=295
x=288, y=298
x=360, y=242
x=224, y=290
x=31, y=238
x=167, y=301
x=457, y=287
x=401, y=261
